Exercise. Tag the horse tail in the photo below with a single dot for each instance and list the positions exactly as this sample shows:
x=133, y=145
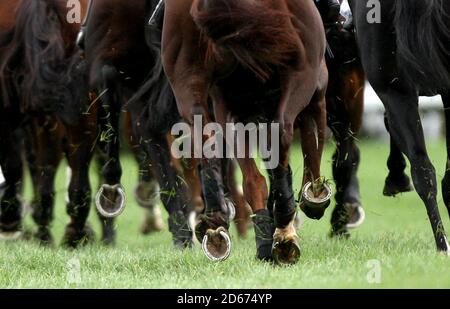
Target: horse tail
x=34, y=60
x=155, y=100
x=423, y=32
x=260, y=37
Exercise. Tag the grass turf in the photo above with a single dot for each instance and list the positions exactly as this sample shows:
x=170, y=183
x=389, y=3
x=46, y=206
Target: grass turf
x=396, y=238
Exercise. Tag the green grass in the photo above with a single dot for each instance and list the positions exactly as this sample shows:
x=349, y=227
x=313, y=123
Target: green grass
x=396, y=233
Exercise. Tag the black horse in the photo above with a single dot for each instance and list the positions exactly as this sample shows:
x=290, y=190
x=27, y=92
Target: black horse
x=404, y=49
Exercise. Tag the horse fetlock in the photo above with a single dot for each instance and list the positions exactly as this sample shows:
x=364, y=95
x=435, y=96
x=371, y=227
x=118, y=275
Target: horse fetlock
x=75, y=237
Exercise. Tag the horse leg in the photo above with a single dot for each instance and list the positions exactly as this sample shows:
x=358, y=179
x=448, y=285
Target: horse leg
x=403, y=117
x=146, y=192
x=397, y=181
x=446, y=179
x=10, y=205
x=107, y=224
x=345, y=119
x=191, y=175
x=110, y=199
x=242, y=218
x=172, y=192
x=147, y=197
x=44, y=153
x=81, y=145
x=345, y=165
x=256, y=193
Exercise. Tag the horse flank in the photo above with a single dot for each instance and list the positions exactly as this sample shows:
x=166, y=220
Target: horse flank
x=423, y=34
x=260, y=37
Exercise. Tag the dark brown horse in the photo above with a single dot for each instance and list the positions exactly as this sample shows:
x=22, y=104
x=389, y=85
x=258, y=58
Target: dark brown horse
x=119, y=64
x=42, y=73
x=345, y=105
x=255, y=59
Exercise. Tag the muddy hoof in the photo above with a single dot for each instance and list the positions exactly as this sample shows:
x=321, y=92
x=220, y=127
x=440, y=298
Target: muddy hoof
x=217, y=244
x=286, y=251
x=395, y=186
x=286, y=248
x=110, y=200
x=153, y=221
x=74, y=238
x=314, y=206
x=44, y=237
x=356, y=215
x=147, y=194
x=210, y=222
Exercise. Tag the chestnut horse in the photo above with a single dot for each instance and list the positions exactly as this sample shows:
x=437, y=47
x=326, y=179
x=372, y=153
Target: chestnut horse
x=404, y=50
x=43, y=74
x=253, y=59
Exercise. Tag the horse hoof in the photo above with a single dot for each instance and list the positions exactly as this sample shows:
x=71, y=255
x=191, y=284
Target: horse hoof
x=286, y=251
x=285, y=248
x=217, y=244
x=44, y=237
x=212, y=221
x=356, y=215
x=109, y=241
x=393, y=187
x=314, y=206
x=110, y=200
x=147, y=194
x=153, y=221
x=74, y=238
x=10, y=236
x=339, y=233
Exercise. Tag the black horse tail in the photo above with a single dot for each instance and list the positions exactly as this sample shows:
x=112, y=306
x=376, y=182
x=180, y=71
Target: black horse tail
x=259, y=36
x=33, y=63
x=155, y=101
x=423, y=32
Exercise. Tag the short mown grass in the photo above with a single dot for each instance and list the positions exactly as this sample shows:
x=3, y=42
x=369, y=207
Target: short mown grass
x=396, y=238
